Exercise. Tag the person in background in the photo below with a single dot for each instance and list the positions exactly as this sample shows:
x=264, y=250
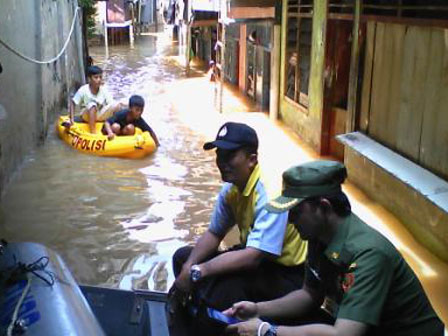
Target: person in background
x=212, y=71
x=352, y=271
x=125, y=121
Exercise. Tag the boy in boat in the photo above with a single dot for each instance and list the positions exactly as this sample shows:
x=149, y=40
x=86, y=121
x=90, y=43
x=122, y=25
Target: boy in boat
x=93, y=99
x=125, y=121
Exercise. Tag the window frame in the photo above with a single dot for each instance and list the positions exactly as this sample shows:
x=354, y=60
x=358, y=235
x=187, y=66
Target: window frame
x=304, y=11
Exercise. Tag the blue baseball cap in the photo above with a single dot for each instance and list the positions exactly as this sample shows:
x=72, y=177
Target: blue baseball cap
x=232, y=136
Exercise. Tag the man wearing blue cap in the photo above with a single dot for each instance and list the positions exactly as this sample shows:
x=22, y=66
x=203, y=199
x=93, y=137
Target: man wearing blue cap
x=354, y=272
x=269, y=261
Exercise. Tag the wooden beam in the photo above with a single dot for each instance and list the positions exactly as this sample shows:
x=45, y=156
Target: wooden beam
x=354, y=68
x=251, y=12
x=252, y=3
x=204, y=23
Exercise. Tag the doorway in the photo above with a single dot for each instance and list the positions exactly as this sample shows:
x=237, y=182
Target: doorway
x=336, y=74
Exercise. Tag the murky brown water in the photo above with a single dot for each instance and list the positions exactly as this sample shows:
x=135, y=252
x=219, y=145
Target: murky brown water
x=117, y=222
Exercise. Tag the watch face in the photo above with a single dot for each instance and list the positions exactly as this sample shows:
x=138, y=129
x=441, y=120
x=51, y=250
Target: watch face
x=195, y=274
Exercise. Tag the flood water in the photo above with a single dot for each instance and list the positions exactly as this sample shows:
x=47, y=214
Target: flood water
x=117, y=222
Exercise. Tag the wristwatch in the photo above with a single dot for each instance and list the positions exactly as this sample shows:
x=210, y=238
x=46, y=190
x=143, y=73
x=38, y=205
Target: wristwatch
x=272, y=331
x=195, y=273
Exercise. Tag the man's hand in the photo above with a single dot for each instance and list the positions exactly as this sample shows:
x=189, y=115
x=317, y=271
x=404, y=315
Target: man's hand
x=111, y=135
x=183, y=281
x=247, y=328
x=176, y=302
x=243, y=310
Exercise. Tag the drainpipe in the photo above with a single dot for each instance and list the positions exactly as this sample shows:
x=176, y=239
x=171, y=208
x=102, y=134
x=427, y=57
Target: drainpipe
x=39, y=130
x=188, y=37
x=106, y=38
x=78, y=34
x=131, y=27
x=275, y=64
x=222, y=70
x=223, y=21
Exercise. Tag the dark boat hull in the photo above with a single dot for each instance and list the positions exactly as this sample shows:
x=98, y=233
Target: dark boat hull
x=122, y=312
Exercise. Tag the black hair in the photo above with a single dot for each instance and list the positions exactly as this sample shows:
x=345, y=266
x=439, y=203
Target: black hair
x=136, y=100
x=94, y=70
x=250, y=149
x=339, y=202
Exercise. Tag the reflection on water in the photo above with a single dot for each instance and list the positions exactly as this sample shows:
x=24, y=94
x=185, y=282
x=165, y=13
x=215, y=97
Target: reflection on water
x=117, y=222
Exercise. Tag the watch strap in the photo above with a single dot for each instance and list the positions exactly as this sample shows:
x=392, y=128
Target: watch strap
x=272, y=331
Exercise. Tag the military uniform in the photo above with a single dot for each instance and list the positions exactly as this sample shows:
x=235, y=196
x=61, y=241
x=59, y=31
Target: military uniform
x=365, y=279
x=361, y=274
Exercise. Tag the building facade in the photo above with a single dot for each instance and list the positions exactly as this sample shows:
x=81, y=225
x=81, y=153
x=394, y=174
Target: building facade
x=365, y=81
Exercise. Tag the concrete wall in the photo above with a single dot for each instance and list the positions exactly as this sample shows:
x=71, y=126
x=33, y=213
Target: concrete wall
x=307, y=123
x=32, y=94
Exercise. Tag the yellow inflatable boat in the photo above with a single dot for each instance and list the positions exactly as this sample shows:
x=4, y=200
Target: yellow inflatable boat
x=136, y=146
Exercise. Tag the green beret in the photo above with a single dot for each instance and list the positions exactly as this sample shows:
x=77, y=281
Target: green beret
x=312, y=179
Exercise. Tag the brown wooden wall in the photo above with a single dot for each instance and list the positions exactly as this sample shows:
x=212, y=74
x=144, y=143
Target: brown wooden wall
x=405, y=92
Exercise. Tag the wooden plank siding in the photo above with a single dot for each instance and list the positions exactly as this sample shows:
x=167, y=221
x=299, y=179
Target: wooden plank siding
x=434, y=138
x=413, y=88
x=386, y=83
x=367, y=77
x=405, y=92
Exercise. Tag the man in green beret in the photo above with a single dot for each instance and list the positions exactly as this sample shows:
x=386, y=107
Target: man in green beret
x=352, y=271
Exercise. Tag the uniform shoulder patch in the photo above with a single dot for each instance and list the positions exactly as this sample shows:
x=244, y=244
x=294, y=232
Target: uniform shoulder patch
x=348, y=281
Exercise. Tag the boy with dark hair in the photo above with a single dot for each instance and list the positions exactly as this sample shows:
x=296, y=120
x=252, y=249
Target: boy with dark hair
x=93, y=99
x=125, y=121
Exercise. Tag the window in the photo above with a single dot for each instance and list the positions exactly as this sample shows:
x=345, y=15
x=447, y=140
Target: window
x=298, y=52
x=418, y=9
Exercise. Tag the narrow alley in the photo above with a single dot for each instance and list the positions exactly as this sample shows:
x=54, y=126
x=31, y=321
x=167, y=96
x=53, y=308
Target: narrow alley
x=117, y=222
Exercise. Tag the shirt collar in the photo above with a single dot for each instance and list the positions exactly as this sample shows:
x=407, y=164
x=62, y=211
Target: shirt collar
x=253, y=179
x=335, y=250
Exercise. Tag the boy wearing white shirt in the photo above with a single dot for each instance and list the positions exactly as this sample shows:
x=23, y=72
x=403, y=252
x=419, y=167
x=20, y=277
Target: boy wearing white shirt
x=93, y=99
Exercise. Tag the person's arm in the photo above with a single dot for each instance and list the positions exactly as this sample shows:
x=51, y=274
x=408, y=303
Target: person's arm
x=362, y=303
x=342, y=327
x=110, y=134
x=232, y=261
x=154, y=136
x=293, y=304
x=143, y=125
x=206, y=245
x=268, y=232
x=71, y=111
x=75, y=100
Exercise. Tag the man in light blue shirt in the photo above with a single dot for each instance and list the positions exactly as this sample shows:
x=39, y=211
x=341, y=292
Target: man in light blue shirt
x=268, y=262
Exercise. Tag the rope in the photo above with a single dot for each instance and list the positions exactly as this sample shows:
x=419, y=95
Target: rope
x=10, y=329
x=54, y=59
x=16, y=272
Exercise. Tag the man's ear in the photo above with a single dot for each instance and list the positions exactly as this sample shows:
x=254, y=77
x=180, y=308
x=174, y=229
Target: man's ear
x=253, y=160
x=325, y=205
